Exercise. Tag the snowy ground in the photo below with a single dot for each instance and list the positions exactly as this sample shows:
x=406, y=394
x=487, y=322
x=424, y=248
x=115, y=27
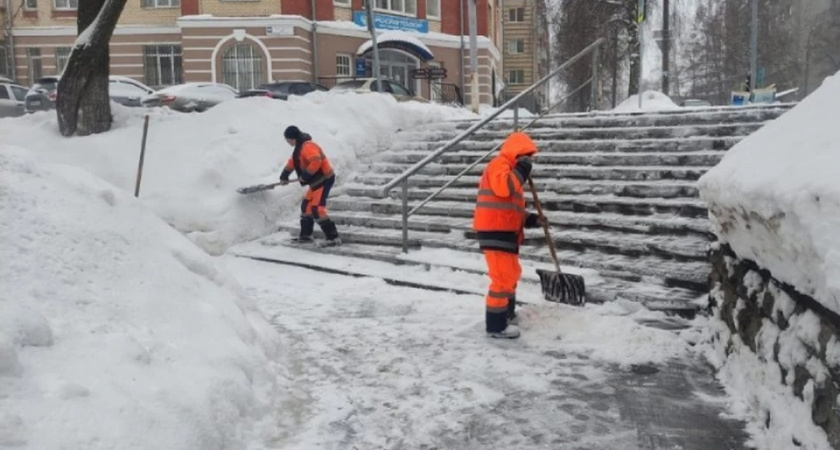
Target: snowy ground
x=381, y=366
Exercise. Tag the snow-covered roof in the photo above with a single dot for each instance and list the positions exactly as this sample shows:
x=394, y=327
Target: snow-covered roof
x=398, y=39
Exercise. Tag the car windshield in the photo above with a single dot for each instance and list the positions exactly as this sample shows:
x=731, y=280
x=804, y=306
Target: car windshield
x=348, y=85
x=281, y=88
x=45, y=84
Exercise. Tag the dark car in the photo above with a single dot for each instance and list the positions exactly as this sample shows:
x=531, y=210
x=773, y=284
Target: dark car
x=283, y=89
x=41, y=96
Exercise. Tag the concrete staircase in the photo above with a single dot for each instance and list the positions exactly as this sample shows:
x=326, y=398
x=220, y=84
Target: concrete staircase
x=619, y=189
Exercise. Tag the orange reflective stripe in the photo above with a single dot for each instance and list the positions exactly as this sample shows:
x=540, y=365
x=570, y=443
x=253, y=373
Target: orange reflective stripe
x=507, y=206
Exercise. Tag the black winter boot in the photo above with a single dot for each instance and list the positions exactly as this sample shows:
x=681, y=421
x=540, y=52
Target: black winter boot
x=331, y=233
x=307, y=227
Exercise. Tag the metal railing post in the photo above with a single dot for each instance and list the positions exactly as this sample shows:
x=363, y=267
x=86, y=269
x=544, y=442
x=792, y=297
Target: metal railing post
x=516, y=116
x=594, y=97
x=405, y=216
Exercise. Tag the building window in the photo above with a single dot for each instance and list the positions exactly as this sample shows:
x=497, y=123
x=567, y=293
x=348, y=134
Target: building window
x=516, y=15
x=30, y=4
x=516, y=76
x=4, y=62
x=398, y=6
x=342, y=2
x=35, y=68
x=62, y=54
x=162, y=65
x=160, y=3
x=243, y=67
x=433, y=8
x=342, y=65
x=516, y=46
x=66, y=4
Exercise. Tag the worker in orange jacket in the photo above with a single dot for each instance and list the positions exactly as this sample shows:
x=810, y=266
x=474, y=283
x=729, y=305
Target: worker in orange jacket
x=313, y=169
x=500, y=218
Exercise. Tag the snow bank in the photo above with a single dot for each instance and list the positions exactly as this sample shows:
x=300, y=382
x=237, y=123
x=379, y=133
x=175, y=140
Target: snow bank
x=485, y=110
x=115, y=330
x=651, y=101
x=775, y=197
x=195, y=162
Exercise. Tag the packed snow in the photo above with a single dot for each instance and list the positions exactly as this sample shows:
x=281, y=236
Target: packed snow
x=115, y=330
x=195, y=162
x=775, y=197
x=651, y=101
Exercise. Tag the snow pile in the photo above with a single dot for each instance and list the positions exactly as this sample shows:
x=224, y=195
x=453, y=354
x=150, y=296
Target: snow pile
x=485, y=110
x=775, y=197
x=651, y=101
x=115, y=330
x=195, y=162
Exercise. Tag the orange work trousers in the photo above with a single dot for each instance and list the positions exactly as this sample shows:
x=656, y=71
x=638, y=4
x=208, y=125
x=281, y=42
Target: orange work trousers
x=504, y=271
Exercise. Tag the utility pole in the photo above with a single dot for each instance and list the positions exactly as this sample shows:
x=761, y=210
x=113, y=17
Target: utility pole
x=372, y=29
x=666, y=46
x=753, y=48
x=10, y=40
x=473, y=58
x=641, y=13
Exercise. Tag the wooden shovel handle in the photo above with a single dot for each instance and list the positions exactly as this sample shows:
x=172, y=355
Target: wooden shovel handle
x=544, y=223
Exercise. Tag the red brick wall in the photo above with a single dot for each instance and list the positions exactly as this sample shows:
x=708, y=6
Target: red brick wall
x=324, y=8
x=451, y=18
x=421, y=9
x=189, y=7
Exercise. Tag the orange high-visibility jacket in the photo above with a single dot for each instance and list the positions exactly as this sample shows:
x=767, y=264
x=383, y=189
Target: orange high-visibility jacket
x=310, y=163
x=500, y=206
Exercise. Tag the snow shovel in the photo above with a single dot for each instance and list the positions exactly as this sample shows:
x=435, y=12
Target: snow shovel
x=557, y=286
x=259, y=187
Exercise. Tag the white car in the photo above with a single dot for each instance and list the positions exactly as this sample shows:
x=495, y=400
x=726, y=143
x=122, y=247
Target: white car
x=12, y=99
x=192, y=97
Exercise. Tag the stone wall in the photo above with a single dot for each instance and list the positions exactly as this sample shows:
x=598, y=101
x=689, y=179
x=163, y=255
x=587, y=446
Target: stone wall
x=783, y=328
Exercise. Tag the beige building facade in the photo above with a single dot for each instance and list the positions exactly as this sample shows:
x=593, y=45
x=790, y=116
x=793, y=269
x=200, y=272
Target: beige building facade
x=525, y=49
x=246, y=43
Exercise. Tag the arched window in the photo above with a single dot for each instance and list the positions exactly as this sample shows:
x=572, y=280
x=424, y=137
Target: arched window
x=243, y=67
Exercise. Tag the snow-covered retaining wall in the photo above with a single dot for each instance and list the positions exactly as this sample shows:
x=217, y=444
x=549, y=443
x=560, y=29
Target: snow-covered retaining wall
x=774, y=204
x=781, y=350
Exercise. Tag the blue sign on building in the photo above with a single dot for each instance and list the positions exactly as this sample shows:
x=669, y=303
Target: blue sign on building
x=361, y=67
x=389, y=22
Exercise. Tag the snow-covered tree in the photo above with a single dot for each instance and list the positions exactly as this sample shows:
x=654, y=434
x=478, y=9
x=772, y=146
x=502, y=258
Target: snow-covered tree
x=82, y=101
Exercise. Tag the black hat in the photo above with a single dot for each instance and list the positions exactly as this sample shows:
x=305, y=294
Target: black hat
x=292, y=132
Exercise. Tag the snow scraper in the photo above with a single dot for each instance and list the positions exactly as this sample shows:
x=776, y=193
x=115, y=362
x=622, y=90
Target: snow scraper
x=557, y=286
x=259, y=187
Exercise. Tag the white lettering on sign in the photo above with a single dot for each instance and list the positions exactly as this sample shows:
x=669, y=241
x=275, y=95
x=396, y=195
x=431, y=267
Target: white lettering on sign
x=280, y=30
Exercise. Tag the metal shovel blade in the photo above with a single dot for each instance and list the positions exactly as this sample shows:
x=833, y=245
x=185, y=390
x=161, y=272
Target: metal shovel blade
x=562, y=287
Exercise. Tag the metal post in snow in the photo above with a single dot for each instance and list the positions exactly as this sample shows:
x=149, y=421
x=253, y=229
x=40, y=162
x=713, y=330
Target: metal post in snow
x=641, y=12
x=372, y=29
x=753, y=48
x=405, y=216
x=142, y=157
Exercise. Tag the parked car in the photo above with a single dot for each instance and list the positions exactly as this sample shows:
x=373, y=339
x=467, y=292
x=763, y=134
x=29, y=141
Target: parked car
x=189, y=97
x=12, y=99
x=126, y=91
x=122, y=90
x=41, y=96
x=361, y=85
x=693, y=103
x=281, y=90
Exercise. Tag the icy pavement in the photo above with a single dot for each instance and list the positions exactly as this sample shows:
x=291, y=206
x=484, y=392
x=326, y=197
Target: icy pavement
x=376, y=366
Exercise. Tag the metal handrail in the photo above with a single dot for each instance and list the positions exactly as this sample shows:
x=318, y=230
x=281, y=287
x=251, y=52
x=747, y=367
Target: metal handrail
x=403, y=177
x=494, y=149
x=431, y=157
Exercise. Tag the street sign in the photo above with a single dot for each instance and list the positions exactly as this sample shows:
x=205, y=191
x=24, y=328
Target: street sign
x=361, y=67
x=437, y=73
x=420, y=74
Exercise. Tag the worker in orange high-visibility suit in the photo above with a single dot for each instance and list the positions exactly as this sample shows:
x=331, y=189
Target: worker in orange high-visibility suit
x=313, y=169
x=500, y=218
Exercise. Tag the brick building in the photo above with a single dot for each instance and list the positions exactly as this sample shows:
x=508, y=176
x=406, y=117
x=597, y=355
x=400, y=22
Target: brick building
x=525, y=49
x=247, y=42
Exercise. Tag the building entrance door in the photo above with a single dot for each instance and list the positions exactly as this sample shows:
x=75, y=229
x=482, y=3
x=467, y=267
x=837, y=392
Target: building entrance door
x=396, y=65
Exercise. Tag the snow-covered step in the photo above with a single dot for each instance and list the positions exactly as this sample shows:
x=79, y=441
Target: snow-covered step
x=643, y=120
x=700, y=158
x=645, y=188
x=447, y=205
x=628, y=172
x=613, y=133
x=685, y=144
x=424, y=221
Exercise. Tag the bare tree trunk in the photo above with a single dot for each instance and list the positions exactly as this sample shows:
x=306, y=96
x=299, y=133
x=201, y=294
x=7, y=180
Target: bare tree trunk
x=635, y=58
x=82, y=101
